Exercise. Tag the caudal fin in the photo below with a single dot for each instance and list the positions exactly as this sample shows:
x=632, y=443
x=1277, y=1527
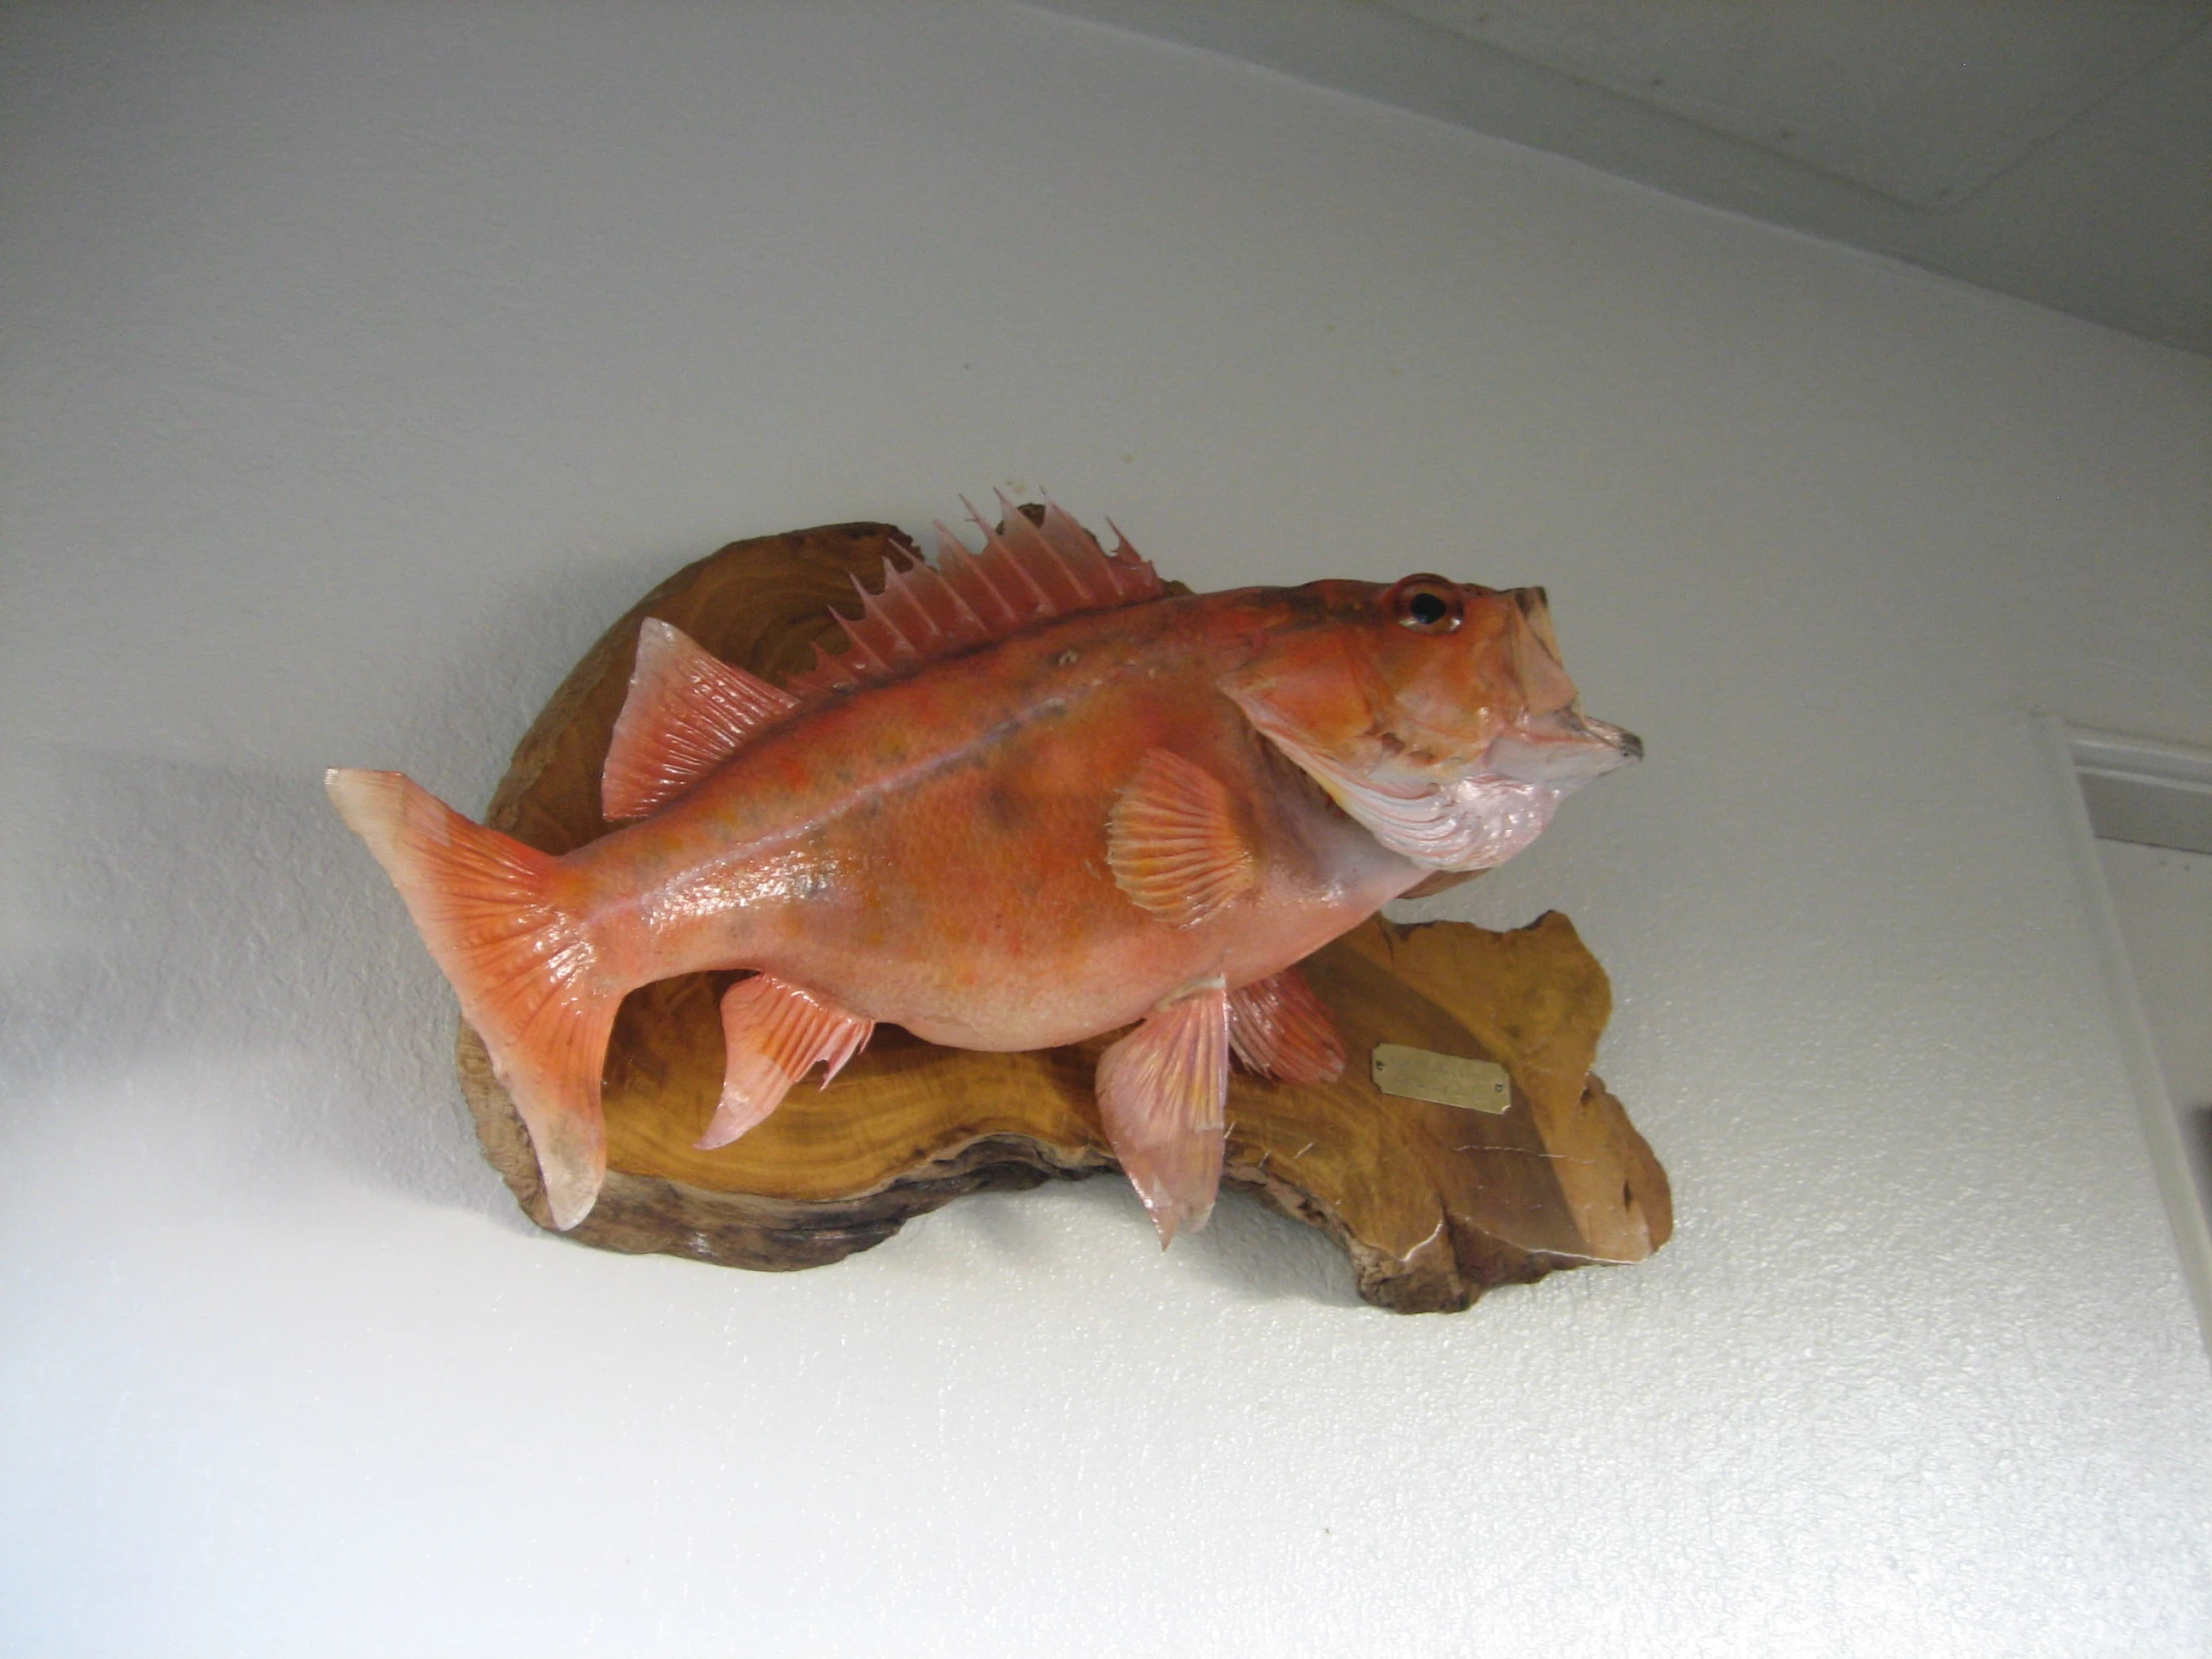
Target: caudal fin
x=524, y=967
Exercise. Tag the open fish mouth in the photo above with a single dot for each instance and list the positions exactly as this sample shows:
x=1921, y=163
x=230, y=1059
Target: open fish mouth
x=1564, y=749
x=1478, y=821
x=1494, y=813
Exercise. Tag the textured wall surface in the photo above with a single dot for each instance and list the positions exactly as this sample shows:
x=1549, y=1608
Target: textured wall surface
x=360, y=362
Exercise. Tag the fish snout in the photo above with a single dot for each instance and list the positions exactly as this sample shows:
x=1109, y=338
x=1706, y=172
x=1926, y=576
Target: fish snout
x=1629, y=746
x=1563, y=750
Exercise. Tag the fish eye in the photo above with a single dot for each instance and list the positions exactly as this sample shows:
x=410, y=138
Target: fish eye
x=1426, y=604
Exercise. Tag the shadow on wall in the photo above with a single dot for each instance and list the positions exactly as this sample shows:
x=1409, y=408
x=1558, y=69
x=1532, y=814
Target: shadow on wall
x=223, y=987
x=1251, y=1252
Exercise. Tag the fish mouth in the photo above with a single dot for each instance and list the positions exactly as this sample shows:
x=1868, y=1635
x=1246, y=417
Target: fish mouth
x=1481, y=818
x=1478, y=821
x=1466, y=819
x=1563, y=750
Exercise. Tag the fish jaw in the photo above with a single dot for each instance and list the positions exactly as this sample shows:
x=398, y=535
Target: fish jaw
x=1481, y=818
x=1452, y=748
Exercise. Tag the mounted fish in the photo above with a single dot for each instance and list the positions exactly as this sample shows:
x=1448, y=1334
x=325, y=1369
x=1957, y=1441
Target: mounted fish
x=1037, y=797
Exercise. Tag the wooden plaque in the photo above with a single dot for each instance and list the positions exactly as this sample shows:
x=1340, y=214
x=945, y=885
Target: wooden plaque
x=1435, y=1203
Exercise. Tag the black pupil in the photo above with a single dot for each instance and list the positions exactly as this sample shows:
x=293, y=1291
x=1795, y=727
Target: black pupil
x=1426, y=609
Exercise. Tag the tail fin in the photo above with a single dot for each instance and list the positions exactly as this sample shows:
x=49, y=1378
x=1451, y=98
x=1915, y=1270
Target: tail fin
x=488, y=908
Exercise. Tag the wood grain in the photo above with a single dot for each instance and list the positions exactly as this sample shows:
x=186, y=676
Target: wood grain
x=1433, y=1204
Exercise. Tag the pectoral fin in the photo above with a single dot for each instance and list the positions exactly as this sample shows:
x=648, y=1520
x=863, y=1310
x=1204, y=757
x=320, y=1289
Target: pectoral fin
x=1281, y=1029
x=773, y=1033
x=1161, y=1094
x=1176, y=842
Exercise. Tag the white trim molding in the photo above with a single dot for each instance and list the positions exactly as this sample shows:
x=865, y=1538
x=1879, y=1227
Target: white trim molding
x=2152, y=793
x=2136, y=773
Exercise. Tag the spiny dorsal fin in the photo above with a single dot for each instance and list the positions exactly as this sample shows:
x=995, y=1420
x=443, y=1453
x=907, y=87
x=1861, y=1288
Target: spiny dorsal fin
x=1028, y=571
x=1175, y=843
x=687, y=711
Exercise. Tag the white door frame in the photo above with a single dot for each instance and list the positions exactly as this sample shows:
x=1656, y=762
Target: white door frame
x=2143, y=789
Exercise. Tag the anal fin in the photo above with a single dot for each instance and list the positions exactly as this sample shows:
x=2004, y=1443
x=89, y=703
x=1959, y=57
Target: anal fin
x=773, y=1033
x=1162, y=1091
x=1281, y=1029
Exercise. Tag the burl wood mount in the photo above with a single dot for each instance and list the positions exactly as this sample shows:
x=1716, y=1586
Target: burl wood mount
x=1434, y=1204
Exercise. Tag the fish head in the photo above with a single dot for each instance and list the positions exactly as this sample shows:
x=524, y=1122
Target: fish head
x=1436, y=713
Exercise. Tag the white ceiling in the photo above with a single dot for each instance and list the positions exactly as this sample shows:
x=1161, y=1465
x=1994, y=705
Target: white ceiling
x=2059, y=150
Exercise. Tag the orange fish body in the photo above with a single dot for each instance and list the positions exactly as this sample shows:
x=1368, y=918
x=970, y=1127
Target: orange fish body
x=937, y=849
x=1004, y=829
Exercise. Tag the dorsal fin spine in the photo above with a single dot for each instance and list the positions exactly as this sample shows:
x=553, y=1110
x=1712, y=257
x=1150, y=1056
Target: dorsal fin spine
x=1028, y=570
x=876, y=639
x=1086, y=560
x=943, y=620
x=902, y=610
x=956, y=619
x=826, y=674
x=963, y=575
x=1025, y=590
x=1038, y=559
x=1132, y=570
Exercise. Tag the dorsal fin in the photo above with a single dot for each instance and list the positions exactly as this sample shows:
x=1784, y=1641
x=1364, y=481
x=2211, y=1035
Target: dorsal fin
x=687, y=711
x=1030, y=570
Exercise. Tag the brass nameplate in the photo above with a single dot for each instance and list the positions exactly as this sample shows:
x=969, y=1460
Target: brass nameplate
x=1447, y=1079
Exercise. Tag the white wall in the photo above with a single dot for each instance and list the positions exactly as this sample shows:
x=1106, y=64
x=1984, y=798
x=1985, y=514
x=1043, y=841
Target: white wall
x=361, y=362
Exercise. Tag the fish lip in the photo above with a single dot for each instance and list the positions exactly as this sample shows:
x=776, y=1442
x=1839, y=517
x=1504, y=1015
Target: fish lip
x=1629, y=746
x=1564, y=753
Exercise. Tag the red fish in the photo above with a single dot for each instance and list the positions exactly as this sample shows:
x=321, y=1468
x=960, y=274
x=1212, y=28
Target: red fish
x=1037, y=798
